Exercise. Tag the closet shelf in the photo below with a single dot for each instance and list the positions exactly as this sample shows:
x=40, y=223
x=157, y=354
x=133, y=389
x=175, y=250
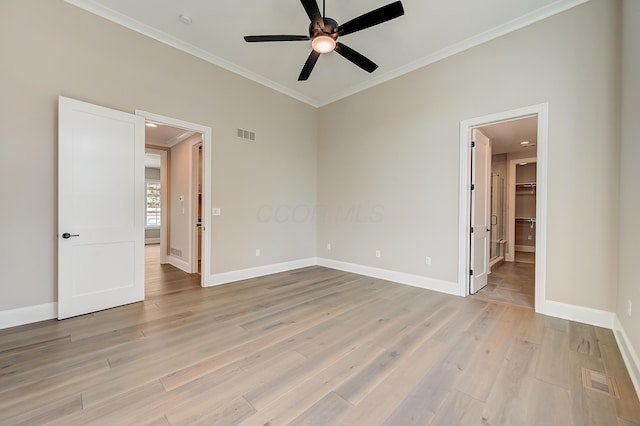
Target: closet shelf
x=527, y=188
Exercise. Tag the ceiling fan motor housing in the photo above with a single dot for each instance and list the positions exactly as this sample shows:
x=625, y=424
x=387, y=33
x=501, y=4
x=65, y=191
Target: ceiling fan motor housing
x=330, y=25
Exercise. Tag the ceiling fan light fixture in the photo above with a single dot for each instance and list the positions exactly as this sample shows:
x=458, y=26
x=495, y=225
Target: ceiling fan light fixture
x=323, y=44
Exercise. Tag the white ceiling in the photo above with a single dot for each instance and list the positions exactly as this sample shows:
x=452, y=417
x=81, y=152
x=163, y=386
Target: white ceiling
x=507, y=137
x=429, y=31
x=167, y=136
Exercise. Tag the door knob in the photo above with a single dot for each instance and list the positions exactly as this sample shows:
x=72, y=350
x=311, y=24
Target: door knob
x=67, y=235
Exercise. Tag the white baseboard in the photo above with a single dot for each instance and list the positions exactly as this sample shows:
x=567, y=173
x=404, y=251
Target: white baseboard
x=399, y=277
x=578, y=313
x=28, y=314
x=258, y=271
x=527, y=249
x=152, y=240
x=179, y=263
x=630, y=356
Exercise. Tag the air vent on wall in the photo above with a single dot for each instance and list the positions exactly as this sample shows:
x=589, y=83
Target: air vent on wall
x=246, y=135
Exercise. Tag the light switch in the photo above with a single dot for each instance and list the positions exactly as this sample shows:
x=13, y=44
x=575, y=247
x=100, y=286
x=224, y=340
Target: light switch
x=216, y=211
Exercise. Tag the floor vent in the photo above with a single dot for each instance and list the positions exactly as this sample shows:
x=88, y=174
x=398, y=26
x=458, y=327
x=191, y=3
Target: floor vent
x=600, y=382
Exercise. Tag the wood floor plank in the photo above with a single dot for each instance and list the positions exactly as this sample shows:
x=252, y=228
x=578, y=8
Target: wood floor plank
x=517, y=364
x=300, y=397
x=320, y=355
x=310, y=346
x=43, y=413
x=488, y=358
x=322, y=412
x=583, y=339
x=64, y=383
x=553, y=365
x=395, y=398
x=144, y=370
x=405, y=343
x=118, y=408
x=458, y=409
x=259, y=346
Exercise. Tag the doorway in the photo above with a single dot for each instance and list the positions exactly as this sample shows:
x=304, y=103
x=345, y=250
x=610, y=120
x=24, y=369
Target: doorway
x=185, y=242
x=529, y=153
x=512, y=203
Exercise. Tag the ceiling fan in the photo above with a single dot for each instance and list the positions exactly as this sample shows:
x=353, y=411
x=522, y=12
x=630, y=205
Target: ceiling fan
x=324, y=33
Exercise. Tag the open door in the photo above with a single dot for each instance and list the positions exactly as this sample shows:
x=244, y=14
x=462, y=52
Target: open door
x=100, y=208
x=480, y=213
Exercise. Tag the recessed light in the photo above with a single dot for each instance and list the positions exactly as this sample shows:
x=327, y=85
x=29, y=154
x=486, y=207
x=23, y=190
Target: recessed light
x=524, y=143
x=151, y=125
x=185, y=19
x=522, y=164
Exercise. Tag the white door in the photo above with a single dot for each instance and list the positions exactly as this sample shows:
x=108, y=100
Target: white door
x=480, y=214
x=100, y=208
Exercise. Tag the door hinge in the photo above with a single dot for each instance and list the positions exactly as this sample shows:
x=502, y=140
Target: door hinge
x=471, y=272
x=473, y=144
x=472, y=229
x=473, y=187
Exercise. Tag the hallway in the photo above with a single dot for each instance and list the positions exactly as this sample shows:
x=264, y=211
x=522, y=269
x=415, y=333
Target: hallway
x=164, y=279
x=511, y=282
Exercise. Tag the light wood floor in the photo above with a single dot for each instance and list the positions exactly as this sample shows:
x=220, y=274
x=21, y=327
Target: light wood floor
x=312, y=346
x=511, y=282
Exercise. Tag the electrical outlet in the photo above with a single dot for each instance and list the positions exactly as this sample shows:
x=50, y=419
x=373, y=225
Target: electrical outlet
x=377, y=253
x=629, y=308
x=529, y=237
x=427, y=260
x=329, y=246
x=258, y=253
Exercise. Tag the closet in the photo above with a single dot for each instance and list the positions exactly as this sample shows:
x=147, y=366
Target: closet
x=525, y=212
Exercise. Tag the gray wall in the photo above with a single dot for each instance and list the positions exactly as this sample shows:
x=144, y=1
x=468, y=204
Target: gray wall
x=629, y=288
x=51, y=48
x=395, y=148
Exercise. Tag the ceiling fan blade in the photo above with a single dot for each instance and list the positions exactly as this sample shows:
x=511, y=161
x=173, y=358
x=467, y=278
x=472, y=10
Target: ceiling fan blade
x=375, y=17
x=355, y=57
x=308, y=66
x=313, y=11
x=260, y=38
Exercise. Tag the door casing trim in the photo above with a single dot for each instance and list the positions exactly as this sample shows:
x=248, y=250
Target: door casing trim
x=464, y=200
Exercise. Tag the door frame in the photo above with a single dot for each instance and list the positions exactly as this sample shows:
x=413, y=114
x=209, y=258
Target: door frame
x=464, y=193
x=206, y=178
x=195, y=164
